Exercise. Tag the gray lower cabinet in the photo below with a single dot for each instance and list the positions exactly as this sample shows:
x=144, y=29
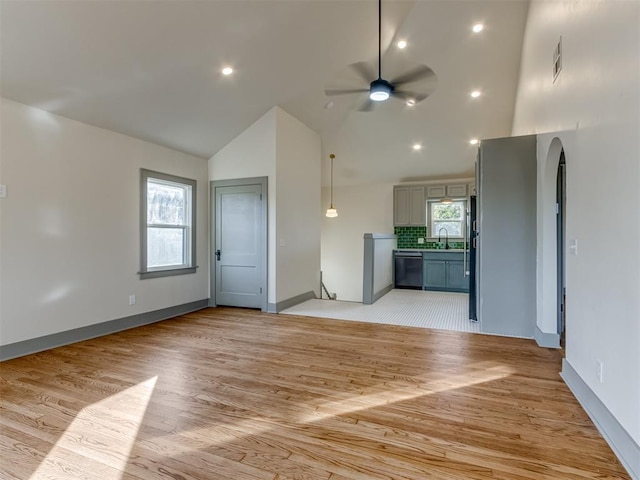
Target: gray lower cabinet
x=444, y=272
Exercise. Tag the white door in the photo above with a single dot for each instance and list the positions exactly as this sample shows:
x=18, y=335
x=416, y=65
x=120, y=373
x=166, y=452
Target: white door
x=238, y=247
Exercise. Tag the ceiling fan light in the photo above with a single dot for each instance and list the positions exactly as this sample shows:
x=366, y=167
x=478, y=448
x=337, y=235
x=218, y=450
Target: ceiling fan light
x=380, y=90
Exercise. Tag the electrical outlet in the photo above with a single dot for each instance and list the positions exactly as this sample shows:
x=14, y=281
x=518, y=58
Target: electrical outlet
x=132, y=299
x=3, y=191
x=421, y=240
x=599, y=370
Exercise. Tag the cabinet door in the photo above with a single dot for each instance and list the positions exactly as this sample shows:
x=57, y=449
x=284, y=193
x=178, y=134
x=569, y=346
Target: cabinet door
x=455, y=275
x=457, y=191
x=418, y=205
x=436, y=191
x=401, y=206
x=435, y=274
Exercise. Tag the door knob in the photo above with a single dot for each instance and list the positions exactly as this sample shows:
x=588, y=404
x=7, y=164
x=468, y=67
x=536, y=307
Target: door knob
x=218, y=255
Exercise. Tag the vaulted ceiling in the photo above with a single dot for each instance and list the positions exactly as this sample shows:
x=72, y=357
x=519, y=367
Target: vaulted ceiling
x=152, y=70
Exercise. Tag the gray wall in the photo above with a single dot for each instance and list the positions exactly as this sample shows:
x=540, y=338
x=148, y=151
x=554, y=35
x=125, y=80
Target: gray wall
x=507, y=241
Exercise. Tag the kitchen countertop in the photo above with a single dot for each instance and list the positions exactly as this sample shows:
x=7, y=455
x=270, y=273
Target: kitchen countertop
x=451, y=250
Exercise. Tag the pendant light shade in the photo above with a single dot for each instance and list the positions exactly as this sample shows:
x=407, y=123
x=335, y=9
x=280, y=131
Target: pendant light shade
x=446, y=200
x=331, y=211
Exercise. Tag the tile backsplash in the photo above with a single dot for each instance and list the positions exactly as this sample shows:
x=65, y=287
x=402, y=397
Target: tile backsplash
x=408, y=238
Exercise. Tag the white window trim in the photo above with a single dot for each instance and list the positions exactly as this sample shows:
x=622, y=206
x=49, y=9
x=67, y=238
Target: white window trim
x=190, y=266
x=463, y=222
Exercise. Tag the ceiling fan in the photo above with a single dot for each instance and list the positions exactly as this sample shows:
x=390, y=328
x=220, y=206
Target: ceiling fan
x=411, y=87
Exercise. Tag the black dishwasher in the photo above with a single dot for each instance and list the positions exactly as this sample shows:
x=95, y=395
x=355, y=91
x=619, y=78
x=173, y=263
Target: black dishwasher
x=408, y=269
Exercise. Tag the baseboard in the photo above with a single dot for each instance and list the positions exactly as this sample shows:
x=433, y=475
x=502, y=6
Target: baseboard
x=625, y=448
x=548, y=340
x=378, y=295
x=290, y=302
x=35, y=345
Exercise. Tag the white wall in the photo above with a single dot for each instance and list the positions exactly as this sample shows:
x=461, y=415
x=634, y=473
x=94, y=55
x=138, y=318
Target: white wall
x=283, y=149
x=70, y=231
x=597, y=96
x=361, y=209
x=298, y=208
x=253, y=154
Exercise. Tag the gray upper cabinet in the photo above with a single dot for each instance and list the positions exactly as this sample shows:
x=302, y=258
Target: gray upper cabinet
x=409, y=206
x=472, y=189
x=436, y=191
x=457, y=191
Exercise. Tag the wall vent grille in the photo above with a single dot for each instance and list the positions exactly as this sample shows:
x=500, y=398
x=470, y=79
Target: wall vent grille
x=557, y=60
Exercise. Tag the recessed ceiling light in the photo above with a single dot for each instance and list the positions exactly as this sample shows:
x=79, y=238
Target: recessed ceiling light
x=227, y=71
x=401, y=44
x=475, y=94
x=410, y=102
x=477, y=28
x=473, y=141
x=417, y=146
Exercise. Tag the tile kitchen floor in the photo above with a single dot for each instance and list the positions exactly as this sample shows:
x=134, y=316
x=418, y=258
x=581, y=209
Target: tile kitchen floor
x=410, y=308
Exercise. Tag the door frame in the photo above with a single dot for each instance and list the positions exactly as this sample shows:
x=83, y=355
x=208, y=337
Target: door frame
x=238, y=182
x=561, y=229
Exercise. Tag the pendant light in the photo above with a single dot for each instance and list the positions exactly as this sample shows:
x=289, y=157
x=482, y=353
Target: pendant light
x=446, y=201
x=331, y=211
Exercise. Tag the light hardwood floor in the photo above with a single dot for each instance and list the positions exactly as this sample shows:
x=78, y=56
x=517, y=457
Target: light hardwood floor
x=237, y=394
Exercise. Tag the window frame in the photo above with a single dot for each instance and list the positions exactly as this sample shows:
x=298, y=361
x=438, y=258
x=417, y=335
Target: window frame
x=190, y=219
x=463, y=222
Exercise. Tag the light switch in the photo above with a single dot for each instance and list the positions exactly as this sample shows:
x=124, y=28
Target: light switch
x=573, y=247
x=421, y=240
x=3, y=191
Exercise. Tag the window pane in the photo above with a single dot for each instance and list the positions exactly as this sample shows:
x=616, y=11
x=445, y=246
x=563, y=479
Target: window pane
x=166, y=204
x=447, y=212
x=453, y=229
x=165, y=247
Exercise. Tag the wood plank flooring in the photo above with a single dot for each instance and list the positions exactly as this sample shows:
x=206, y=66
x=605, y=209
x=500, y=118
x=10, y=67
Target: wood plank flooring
x=238, y=394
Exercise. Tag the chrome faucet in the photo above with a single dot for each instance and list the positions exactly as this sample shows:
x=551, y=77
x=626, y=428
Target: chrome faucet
x=446, y=238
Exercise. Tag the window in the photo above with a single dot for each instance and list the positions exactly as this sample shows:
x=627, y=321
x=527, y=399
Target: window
x=167, y=230
x=449, y=218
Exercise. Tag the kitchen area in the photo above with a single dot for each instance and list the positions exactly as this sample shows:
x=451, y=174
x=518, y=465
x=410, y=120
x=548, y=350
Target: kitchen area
x=486, y=277
x=434, y=228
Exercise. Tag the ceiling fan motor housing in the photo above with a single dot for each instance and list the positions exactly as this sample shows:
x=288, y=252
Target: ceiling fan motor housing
x=380, y=90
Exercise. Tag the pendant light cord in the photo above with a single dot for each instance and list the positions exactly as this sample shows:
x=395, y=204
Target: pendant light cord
x=379, y=39
x=332, y=156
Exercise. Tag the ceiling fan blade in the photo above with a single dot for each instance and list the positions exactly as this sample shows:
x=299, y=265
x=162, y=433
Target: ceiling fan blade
x=367, y=106
x=408, y=95
x=363, y=69
x=344, y=91
x=421, y=72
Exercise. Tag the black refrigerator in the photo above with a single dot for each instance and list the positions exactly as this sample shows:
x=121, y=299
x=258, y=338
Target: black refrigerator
x=473, y=234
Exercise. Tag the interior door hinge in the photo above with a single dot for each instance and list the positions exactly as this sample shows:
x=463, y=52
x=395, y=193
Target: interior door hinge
x=260, y=197
x=557, y=208
x=260, y=289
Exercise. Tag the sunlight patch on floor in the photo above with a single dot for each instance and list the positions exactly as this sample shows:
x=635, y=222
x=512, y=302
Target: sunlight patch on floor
x=98, y=442
x=311, y=412
x=392, y=393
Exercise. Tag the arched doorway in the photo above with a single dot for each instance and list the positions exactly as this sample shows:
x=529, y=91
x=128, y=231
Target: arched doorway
x=552, y=291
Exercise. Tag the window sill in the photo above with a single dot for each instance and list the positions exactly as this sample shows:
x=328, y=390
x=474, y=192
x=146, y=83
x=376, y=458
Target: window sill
x=169, y=272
